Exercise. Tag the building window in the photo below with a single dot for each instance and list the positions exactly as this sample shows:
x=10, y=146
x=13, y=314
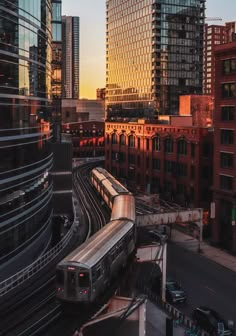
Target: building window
x=229, y=66
x=114, y=139
x=147, y=144
x=108, y=138
x=192, y=172
x=192, y=150
x=206, y=150
x=156, y=164
x=227, y=113
x=123, y=173
x=168, y=145
x=147, y=162
x=181, y=189
x=131, y=141
x=156, y=184
x=138, y=161
x=182, y=147
x=182, y=169
x=228, y=90
x=156, y=144
x=138, y=143
x=131, y=159
x=227, y=137
x=226, y=160
x=168, y=166
x=205, y=172
x=168, y=186
x=121, y=157
x=122, y=139
x=114, y=156
x=226, y=182
x=192, y=193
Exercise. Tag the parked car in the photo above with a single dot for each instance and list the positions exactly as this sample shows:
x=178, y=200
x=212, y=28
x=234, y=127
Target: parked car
x=158, y=235
x=174, y=292
x=210, y=321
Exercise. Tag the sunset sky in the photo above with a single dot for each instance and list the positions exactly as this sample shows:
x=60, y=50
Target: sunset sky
x=92, y=37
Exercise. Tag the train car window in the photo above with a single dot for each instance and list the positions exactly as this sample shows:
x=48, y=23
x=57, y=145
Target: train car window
x=60, y=277
x=83, y=279
x=71, y=278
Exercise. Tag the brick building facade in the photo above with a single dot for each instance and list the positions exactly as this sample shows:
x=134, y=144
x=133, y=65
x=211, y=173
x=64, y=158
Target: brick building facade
x=200, y=107
x=87, y=138
x=173, y=161
x=224, y=186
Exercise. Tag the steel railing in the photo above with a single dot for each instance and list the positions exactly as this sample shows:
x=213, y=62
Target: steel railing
x=17, y=279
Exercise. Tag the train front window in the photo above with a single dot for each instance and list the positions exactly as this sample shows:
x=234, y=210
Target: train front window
x=83, y=279
x=60, y=277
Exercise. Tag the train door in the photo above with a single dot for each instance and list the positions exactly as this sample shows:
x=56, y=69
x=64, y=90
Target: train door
x=71, y=283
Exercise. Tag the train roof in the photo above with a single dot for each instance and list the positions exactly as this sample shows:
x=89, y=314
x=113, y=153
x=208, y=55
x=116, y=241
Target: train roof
x=124, y=207
x=102, y=171
x=109, y=187
x=91, y=251
x=116, y=184
x=98, y=174
x=119, y=188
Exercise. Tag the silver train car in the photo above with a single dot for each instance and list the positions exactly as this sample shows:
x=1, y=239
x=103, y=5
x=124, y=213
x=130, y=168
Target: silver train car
x=107, y=186
x=123, y=207
x=86, y=272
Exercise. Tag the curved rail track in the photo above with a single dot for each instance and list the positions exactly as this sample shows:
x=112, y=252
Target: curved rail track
x=35, y=310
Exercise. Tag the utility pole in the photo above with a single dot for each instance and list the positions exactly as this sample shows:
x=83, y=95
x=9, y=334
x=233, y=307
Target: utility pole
x=200, y=231
x=164, y=260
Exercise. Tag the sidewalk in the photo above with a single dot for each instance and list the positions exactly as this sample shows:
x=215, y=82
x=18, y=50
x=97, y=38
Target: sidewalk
x=215, y=254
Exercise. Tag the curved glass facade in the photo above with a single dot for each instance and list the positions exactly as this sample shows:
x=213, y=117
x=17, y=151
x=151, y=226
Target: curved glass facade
x=25, y=131
x=154, y=54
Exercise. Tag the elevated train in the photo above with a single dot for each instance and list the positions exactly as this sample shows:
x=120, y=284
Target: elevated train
x=83, y=275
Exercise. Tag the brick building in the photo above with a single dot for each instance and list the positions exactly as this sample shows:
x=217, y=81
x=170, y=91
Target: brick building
x=224, y=186
x=213, y=35
x=87, y=138
x=200, y=107
x=157, y=157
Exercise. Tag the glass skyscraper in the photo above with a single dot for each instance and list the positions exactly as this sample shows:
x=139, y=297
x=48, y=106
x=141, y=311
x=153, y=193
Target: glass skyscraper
x=154, y=53
x=25, y=131
x=70, y=51
x=56, y=68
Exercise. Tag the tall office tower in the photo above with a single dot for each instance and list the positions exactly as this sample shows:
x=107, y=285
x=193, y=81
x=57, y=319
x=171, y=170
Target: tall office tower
x=56, y=68
x=70, y=51
x=213, y=35
x=154, y=51
x=25, y=133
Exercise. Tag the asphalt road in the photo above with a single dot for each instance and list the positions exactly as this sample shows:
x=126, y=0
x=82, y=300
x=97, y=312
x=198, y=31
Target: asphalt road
x=205, y=282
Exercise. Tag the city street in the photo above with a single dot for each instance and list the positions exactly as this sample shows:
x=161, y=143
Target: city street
x=206, y=282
